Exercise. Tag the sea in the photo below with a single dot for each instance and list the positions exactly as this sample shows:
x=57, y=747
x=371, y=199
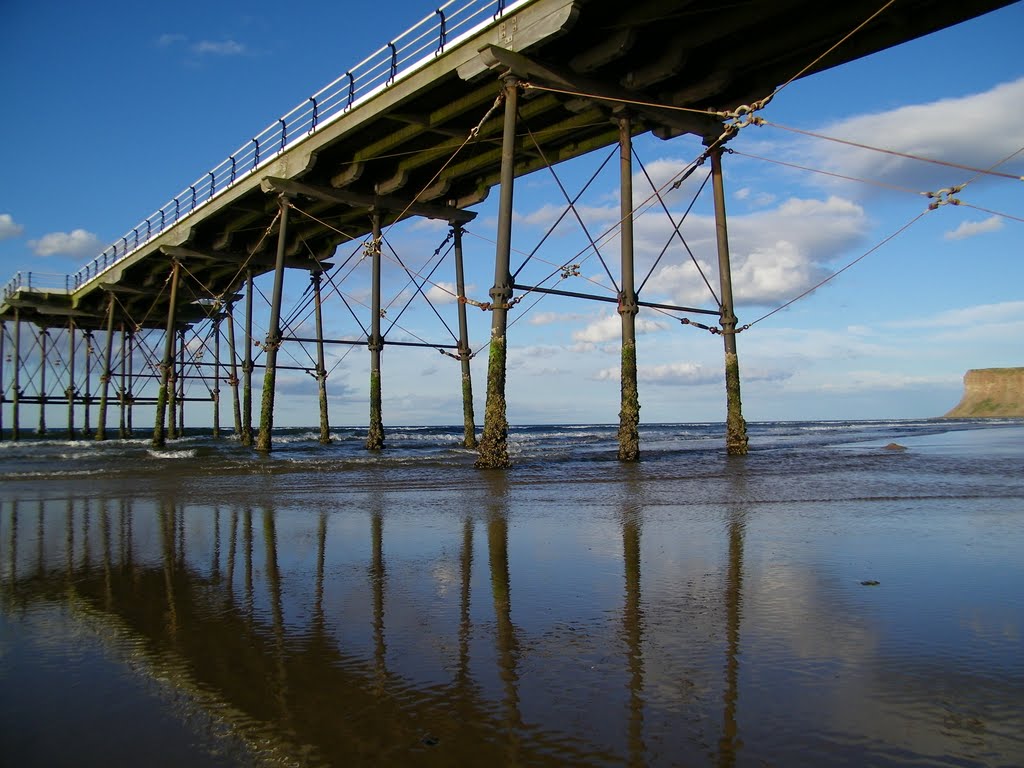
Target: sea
x=850, y=593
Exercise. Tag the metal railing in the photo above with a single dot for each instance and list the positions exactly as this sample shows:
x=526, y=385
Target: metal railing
x=449, y=25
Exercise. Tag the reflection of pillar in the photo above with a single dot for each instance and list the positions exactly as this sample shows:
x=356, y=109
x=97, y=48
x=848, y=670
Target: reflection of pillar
x=249, y=592
x=494, y=440
x=629, y=413
x=166, y=367
x=40, y=538
x=497, y=547
x=468, y=424
x=321, y=556
x=466, y=572
x=167, y=528
x=69, y=539
x=43, y=363
x=232, y=548
x=273, y=341
x=377, y=576
x=276, y=609
x=13, y=556
x=633, y=626
x=736, y=428
x=247, y=365
x=321, y=368
x=215, y=565
x=108, y=350
x=729, y=743
x=375, y=437
x=236, y=407
x=108, y=575
x=86, y=521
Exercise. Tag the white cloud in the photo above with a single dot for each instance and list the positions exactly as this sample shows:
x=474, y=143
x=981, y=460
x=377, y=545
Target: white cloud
x=609, y=327
x=8, y=227
x=218, y=47
x=983, y=314
x=549, y=318
x=972, y=228
x=689, y=374
x=78, y=242
x=970, y=130
x=169, y=39
x=444, y=293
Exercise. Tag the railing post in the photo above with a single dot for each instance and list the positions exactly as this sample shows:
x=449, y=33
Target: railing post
x=273, y=342
x=629, y=413
x=494, y=442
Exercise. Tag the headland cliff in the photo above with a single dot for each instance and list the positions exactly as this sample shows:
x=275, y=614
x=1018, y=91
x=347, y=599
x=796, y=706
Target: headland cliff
x=992, y=393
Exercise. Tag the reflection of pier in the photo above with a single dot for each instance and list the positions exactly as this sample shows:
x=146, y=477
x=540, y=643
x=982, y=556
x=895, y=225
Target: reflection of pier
x=213, y=602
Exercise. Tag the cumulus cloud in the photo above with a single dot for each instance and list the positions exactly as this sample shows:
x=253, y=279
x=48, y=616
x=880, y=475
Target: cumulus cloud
x=77, y=242
x=776, y=253
x=8, y=227
x=445, y=293
x=549, y=318
x=972, y=228
x=609, y=327
x=970, y=130
x=982, y=314
x=689, y=374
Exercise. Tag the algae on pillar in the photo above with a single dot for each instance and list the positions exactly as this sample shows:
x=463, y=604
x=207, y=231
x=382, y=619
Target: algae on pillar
x=494, y=440
x=629, y=412
x=321, y=368
x=167, y=365
x=736, y=428
x=375, y=436
x=468, y=423
x=108, y=349
x=273, y=342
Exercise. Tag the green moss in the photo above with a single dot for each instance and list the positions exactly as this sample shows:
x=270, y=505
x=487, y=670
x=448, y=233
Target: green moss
x=735, y=427
x=494, y=441
x=375, y=437
x=267, y=409
x=159, y=439
x=325, y=426
x=629, y=414
x=469, y=425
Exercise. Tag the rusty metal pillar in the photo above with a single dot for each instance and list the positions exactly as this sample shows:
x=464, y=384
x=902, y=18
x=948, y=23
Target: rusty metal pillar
x=468, y=422
x=629, y=412
x=16, y=383
x=180, y=431
x=43, y=336
x=70, y=391
x=87, y=337
x=108, y=350
x=321, y=368
x=216, y=373
x=375, y=436
x=736, y=428
x=247, y=365
x=236, y=407
x=270, y=347
x=166, y=367
x=494, y=441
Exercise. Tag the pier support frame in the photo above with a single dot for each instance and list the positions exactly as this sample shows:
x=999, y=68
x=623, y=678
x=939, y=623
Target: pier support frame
x=321, y=367
x=735, y=427
x=43, y=336
x=236, y=408
x=247, y=365
x=108, y=350
x=629, y=413
x=167, y=366
x=375, y=436
x=273, y=342
x=468, y=422
x=494, y=441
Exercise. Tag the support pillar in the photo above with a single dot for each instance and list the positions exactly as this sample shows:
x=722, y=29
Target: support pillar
x=43, y=336
x=172, y=388
x=236, y=407
x=122, y=395
x=108, y=349
x=629, y=412
x=494, y=441
x=273, y=336
x=3, y=388
x=16, y=384
x=247, y=365
x=735, y=427
x=70, y=392
x=216, y=374
x=166, y=367
x=375, y=437
x=181, y=382
x=321, y=368
x=88, y=338
x=469, y=425
x=130, y=396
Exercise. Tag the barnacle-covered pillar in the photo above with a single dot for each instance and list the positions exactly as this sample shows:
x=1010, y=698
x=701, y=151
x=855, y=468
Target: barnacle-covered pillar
x=494, y=441
x=247, y=365
x=108, y=350
x=469, y=425
x=167, y=366
x=629, y=413
x=273, y=336
x=735, y=427
x=321, y=367
x=375, y=436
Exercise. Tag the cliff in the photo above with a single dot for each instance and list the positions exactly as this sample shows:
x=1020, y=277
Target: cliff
x=991, y=392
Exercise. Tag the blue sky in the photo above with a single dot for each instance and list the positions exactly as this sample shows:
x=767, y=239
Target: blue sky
x=114, y=109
